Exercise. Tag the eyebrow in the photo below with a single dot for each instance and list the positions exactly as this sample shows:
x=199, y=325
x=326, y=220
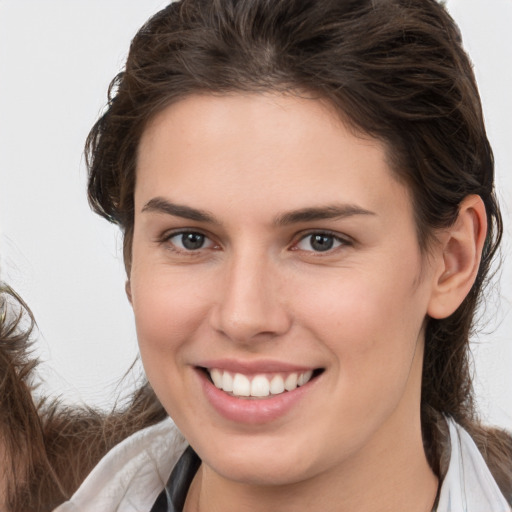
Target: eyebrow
x=161, y=205
x=311, y=214
x=321, y=213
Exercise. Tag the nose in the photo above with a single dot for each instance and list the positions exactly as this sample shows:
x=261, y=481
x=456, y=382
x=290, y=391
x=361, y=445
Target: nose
x=252, y=302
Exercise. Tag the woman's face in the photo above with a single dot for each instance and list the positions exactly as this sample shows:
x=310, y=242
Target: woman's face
x=272, y=245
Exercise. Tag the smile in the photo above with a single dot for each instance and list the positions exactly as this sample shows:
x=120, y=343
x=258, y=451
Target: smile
x=258, y=392
x=260, y=385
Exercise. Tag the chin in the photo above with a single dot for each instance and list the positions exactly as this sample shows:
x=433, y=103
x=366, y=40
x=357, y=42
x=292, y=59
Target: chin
x=268, y=472
x=260, y=461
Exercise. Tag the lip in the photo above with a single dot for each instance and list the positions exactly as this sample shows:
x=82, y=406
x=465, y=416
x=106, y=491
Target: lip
x=253, y=367
x=253, y=411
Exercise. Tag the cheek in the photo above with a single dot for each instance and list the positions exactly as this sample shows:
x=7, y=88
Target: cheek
x=168, y=310
x=169, y=316
x=370, y=323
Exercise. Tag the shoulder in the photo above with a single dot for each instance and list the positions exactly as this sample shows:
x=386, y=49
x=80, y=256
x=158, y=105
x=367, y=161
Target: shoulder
x=132, y=474
x=468, y=485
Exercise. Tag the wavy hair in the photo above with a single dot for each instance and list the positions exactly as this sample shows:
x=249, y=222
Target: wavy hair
x=47, y=448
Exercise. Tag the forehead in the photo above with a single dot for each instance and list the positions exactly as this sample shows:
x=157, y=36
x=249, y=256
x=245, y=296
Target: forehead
x=262, y=145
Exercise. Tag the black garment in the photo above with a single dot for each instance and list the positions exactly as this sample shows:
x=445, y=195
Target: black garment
x=173, y=497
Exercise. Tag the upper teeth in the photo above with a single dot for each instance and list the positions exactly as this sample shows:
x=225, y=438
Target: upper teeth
x=259, y=385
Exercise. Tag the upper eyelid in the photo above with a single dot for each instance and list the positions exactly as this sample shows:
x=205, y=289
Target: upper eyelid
x=164, y=238
x=339, y=236
x=167, y=234
x=165, y=241
x=344, y=242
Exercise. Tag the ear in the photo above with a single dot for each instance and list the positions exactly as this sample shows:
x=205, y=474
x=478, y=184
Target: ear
x=128, y=290
x=459, y=259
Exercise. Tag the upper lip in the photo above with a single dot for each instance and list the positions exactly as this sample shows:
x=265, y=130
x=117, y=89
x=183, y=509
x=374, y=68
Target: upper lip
x=254, y=367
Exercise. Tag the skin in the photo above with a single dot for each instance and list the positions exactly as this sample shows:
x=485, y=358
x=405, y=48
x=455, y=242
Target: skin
x=257, y=290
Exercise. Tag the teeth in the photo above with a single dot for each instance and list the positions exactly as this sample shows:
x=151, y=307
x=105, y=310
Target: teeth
x=277, y=385
x=291, y=382
x=216, y=376
x=304, y=378
x=260, y=385
x=227, y=382
x=241, y=385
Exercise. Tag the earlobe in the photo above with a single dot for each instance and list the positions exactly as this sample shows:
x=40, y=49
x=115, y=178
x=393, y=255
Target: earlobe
x=128, y=290
x=462, y=245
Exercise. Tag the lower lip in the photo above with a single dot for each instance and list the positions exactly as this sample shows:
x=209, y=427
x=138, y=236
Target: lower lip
x=253, y=411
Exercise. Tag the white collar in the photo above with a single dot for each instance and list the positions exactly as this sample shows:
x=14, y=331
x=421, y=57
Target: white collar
x=130, y=477
x=468, y=485
x=132, y=474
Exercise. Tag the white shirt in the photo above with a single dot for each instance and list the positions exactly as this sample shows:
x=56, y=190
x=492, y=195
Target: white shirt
x=131, y=475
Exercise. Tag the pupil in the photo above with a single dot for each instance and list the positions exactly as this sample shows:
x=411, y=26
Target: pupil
x=322, y=242
x=192, y=241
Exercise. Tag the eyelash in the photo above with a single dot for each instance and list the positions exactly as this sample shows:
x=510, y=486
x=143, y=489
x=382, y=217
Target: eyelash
x=167, y=239
x=336, y=240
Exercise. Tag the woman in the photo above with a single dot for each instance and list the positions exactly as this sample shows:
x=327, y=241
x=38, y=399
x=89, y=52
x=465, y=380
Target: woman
x=252, y=153
x=306, y=194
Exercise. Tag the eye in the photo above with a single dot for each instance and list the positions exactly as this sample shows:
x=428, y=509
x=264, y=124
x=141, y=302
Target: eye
x=320, y=242
x=190, y=241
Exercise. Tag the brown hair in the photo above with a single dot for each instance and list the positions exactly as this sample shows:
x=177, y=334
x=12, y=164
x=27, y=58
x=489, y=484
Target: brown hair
x=394, y=69
x=46, y=448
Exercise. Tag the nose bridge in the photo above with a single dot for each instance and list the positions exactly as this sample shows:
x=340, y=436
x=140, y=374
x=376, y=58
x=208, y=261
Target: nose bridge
x=250, y=305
